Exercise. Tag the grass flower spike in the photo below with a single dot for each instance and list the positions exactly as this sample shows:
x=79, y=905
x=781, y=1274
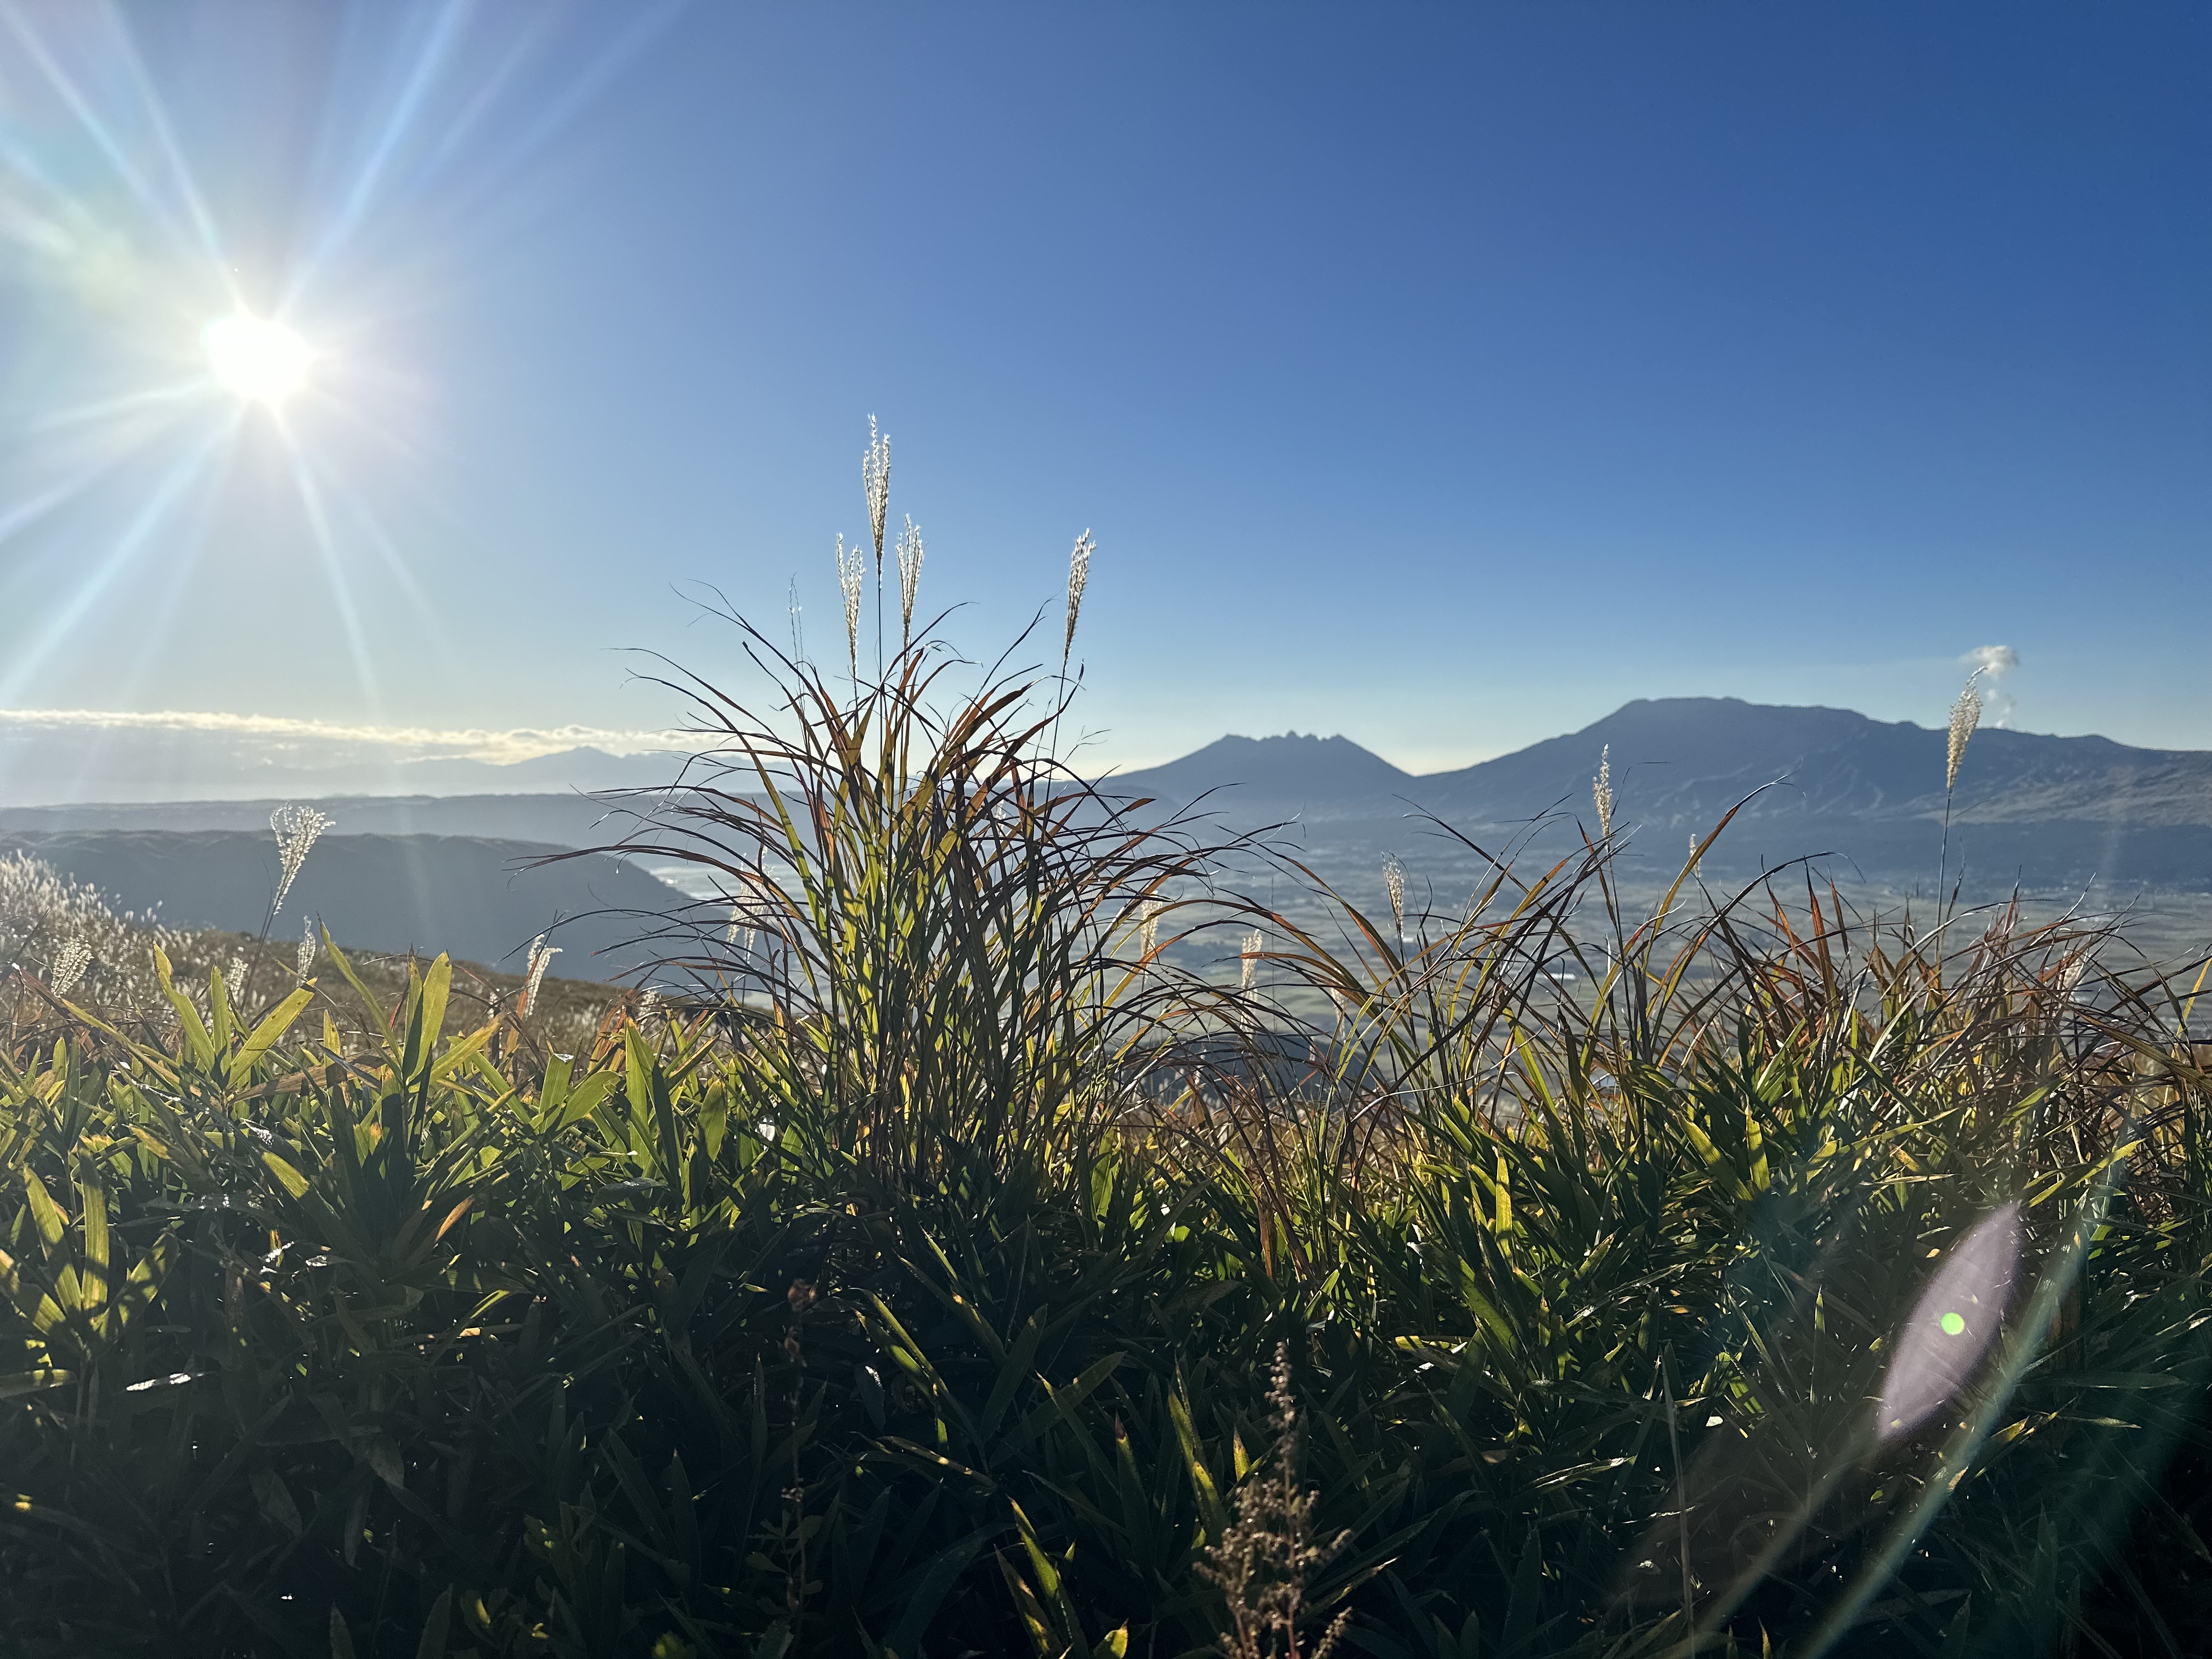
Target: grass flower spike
x=1254, y=942
x=541, y=958
x=1078, y=578
x=851, y=572
x=876, y=479
x=1602, y=791
x=304, y=963
x=296, y=829
x=1394, y=881
x=1965, y=715
x=1264, y=1561
x=909, y=575
x=70, y=963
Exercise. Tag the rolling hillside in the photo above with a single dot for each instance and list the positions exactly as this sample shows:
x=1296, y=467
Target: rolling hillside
x=473, y=898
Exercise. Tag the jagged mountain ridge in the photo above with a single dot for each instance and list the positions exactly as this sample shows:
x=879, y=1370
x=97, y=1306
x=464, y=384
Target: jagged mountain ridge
x=1700, y=756
x=2029, y=806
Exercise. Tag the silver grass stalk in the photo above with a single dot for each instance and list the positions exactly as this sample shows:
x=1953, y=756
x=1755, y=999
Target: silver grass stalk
x=909, y=575
x=70, y=963
x=1965, y=715
x=851, y=574
x=1078, y=578
x=1265, y=1558
x=1148, y=926
x=648, y=1004
x=304, y=964
x=1602, y=791
x=737, y=920
x=296, y=829
x=541, y=958
x=233, y=982
x=1394, y=882
x=876, y=479
x=1693, y=851
x=1254, y=942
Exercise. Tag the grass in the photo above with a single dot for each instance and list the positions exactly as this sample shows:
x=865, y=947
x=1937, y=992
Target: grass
x=954, y=1270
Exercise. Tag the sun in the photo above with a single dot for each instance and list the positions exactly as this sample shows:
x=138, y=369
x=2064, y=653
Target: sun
x=260, y=361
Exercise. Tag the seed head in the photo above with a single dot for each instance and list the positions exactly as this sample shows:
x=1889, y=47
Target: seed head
x=1965, y=715
x=1148, y=925
x=1394, y=881
x=305, y=963
x=541, y=958
x=70, y=963
x=1602, y=791
x=1254, y=942
x=296, y=829
x=1079, y=577
x=851, y=572
x=233, y=982
x=876, y=479
x=909, y=574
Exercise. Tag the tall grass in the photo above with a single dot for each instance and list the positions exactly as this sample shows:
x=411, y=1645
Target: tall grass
x=969, y=1265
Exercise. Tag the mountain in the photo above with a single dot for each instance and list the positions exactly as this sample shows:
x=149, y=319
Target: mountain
x=1273, y=777
x=2029, y=806
x=476, y=899
x=1684, y=759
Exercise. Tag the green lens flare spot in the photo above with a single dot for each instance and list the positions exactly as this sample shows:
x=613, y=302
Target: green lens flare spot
x=1953, y=1325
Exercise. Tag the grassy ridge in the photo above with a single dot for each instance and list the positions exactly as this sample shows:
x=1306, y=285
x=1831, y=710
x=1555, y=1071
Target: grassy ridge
x=920, y=1287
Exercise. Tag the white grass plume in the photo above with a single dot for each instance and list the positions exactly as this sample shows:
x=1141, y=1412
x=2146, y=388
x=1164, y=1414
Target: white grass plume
x=1254, y=942
x=1602, y=791
x=852, y=573
x=304, y=963
x=876, y=480
x=296, y=829
x=909, y=575
x=70, y=963
x=1394, y=883
x=1078, y=578
x=541, y=958
x=1965, y=715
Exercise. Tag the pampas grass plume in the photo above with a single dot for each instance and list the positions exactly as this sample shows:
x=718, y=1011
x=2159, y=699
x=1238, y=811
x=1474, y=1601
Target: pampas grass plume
x=1965, y=715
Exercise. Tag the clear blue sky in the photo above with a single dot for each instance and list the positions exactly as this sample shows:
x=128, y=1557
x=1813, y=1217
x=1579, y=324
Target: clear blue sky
x=1443, y=375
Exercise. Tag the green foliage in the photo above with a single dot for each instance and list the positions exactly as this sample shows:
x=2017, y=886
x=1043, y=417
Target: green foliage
x=881, y=1300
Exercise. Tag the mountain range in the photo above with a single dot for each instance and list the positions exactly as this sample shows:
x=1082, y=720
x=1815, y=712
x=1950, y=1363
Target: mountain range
x=457, y=873
x=2047, y=809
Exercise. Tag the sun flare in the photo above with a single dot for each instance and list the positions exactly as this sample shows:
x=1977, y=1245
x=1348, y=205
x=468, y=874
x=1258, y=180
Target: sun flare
x=260, y=361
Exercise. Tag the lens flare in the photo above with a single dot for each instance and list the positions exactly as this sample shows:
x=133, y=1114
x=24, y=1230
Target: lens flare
x=262, y=362
x=1952, y=1327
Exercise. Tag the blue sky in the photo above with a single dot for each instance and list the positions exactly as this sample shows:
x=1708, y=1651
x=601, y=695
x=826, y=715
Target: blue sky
x=1443, y=376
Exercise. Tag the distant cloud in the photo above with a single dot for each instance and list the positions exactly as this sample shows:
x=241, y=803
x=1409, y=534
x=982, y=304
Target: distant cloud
x=495, y=748
x=1992, y=663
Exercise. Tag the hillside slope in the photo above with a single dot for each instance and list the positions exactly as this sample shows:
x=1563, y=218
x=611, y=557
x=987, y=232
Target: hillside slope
x=468, y=896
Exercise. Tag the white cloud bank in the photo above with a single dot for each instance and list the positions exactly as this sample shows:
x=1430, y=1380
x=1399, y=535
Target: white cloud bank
x=494, y=748
x=53, y=756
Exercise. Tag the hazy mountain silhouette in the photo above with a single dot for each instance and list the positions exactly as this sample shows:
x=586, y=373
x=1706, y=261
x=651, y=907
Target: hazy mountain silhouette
x=1290, y=772
x=2042, y=810
x=1824, y=779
